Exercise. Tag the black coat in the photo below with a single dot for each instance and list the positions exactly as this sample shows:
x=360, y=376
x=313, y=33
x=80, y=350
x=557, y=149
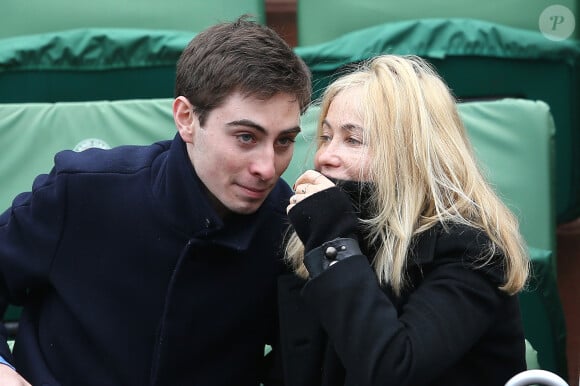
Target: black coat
x=450, y=327
x=128, y=277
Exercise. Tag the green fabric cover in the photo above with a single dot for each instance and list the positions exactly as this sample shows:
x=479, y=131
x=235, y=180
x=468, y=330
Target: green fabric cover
x=438, y=39
x=90, y=64
x=531, y=357
x=513, y=141
x=40, y=16
x=480, y=61
x=346, y=15
x=92, y=49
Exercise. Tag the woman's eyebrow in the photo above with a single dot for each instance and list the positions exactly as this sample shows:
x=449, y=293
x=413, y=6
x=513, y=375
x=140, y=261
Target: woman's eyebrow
x=350, y=127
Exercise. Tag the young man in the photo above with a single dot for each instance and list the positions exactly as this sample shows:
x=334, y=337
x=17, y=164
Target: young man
x=157, y=265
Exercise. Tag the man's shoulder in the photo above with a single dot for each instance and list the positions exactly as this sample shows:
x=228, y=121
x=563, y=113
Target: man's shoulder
x=124, y=159
x=279, y=197
x=283, y=189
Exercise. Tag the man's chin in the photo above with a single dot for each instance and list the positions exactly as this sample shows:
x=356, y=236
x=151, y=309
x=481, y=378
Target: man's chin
x=247, y=208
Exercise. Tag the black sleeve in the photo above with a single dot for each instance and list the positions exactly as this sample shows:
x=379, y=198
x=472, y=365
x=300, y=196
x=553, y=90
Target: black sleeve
x=29, y=234
x=443, y=318
x=322, y=217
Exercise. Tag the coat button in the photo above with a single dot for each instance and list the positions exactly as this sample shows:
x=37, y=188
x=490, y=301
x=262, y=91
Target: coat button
x=331, y=253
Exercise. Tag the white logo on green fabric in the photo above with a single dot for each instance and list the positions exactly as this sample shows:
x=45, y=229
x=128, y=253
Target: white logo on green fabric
x=557, y=22
x=91, y=142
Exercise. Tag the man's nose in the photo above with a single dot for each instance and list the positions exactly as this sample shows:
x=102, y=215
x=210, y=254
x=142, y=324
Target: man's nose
x=264, y=165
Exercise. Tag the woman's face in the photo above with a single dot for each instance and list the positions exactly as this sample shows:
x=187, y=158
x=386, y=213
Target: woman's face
x=341, y=152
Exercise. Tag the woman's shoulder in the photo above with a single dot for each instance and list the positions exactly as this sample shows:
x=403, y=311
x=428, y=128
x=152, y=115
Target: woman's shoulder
x=454, y=243
x=464, y=237
x=441, y=237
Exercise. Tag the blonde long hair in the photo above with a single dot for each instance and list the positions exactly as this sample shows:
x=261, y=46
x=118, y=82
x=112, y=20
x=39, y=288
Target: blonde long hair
x=434, y=179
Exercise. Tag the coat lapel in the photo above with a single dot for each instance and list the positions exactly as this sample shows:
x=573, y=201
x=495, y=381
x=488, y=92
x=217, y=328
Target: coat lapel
x=301, y=338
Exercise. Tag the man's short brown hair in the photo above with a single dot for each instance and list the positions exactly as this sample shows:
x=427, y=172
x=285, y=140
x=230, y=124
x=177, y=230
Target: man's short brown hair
x=239, y=56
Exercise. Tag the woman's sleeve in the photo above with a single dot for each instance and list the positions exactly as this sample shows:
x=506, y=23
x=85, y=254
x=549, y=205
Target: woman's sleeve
x=442, y=319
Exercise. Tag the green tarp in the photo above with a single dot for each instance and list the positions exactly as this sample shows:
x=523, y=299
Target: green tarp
x=90, y=64
x=437, y=39
x=348, y=15
x=95, y=49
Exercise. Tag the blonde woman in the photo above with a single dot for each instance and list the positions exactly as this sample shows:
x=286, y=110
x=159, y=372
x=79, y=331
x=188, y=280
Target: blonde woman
x=407, y=264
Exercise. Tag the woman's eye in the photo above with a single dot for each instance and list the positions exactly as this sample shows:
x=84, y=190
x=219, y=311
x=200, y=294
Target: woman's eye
x=354, y=141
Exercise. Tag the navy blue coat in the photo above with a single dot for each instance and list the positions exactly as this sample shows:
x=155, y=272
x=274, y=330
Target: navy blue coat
x=128, y=277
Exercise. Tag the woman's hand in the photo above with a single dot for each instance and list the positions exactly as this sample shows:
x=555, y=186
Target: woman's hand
x=319, y=211
x=307, y=184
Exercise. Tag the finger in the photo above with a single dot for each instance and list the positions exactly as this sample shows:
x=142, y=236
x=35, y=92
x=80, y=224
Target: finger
x=293, y=201
x=306, y=177
x=317, y=178
x=308, y=189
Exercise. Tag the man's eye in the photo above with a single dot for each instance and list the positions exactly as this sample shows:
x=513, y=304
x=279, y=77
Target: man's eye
x=286, y=141
x=245, y=138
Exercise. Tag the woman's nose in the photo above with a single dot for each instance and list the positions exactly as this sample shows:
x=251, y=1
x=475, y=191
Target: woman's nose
x=327, y=155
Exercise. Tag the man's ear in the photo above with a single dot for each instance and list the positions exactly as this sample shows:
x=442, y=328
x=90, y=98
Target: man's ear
x=185, y=119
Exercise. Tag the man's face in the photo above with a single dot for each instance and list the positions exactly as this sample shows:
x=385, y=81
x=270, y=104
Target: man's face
x=243, y=148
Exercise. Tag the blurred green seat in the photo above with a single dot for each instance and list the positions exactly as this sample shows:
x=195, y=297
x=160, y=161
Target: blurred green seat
x=348, y=16
x=480, y=61
x=41, y=16
x=513, y=141
x=31, y=133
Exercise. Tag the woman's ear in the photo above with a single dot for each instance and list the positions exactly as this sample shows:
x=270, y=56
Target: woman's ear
x=185, y=119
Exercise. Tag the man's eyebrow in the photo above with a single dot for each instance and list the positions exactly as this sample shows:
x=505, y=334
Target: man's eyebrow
x=255, y=126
